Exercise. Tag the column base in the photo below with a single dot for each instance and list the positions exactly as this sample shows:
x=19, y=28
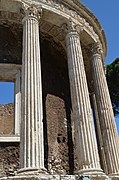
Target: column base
x=90, y=172
x=58, y=177
x=99, y=177
x=31, y=171
x=114, y=177
x=93, y=177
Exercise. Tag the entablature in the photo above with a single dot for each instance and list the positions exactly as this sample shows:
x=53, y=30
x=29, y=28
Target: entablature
x=57, y=13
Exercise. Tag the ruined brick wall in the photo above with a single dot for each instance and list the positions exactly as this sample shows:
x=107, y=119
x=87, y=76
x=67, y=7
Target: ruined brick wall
x=7, y=119
x=9, y=158
x=9, y=152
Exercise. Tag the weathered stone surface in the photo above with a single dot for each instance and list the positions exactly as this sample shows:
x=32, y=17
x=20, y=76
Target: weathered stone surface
x=58, y=177
x=86, y=146
x=68, y=177
x=58, y=146
x=31, y=146
x=7, y=119
x=106, y=117
x=9, y=159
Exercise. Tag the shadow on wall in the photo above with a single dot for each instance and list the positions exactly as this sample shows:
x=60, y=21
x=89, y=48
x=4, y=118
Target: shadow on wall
x=10, y=45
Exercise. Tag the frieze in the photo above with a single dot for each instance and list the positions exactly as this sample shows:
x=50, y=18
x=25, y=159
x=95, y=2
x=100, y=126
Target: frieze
x=11, y=16
x=57, y=4
x=64, y=7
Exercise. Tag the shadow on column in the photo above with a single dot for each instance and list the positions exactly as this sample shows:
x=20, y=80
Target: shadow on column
x=95, y=116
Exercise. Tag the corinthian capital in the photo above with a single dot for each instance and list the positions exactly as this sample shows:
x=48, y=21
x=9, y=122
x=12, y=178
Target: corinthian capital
x=96, y=48
x=31, y=11
x=71, y=26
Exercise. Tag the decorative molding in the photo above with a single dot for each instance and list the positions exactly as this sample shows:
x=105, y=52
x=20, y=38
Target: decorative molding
x=31, y=11
x=57, y=6
x=96, y=49
x=54, y=5
x=71, y=26
x=67, y=9
x=71, y=12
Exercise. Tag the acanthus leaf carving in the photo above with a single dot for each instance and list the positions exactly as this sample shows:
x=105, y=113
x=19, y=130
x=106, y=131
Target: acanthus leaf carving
x=71, y=26
x=64, y=7
x=31, y=10
x=96, y=48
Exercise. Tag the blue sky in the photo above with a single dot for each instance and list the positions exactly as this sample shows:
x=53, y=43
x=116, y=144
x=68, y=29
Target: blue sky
x=107, y=12
x=6, y=92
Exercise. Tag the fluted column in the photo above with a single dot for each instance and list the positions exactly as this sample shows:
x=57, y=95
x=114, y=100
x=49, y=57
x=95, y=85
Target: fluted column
x=31, y=147
x=106, y=117
x=99, y=134
x=86, y=146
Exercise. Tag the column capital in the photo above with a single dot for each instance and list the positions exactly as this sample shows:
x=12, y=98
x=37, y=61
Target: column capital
x=96, y=48
x=30, y=11
x=72, y=27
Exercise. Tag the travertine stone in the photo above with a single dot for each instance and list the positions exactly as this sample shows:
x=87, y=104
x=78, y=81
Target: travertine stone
x=32, y=147
x=18, y=102
x=99, y=134
x=86, y=146
x=98, y=177
x=57, y=177
x=106, y=117
x=67, y=177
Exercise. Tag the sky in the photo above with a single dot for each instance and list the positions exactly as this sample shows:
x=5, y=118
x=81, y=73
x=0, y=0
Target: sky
x=107, y=12
x=6, y=92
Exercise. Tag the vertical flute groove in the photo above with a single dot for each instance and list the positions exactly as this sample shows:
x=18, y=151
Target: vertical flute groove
x=32, y=147
x=106, y=117
x=86, y=145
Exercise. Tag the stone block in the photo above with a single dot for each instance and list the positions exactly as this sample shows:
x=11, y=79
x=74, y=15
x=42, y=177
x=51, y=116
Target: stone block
x=114, y=178
x=49, y=177
x=82, y=177
x=67, y=177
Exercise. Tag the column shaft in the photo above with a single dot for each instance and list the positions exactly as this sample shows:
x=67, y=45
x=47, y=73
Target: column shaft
x=107, y=123
x=99, y=134
x=86, y=145
x=32, y=147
